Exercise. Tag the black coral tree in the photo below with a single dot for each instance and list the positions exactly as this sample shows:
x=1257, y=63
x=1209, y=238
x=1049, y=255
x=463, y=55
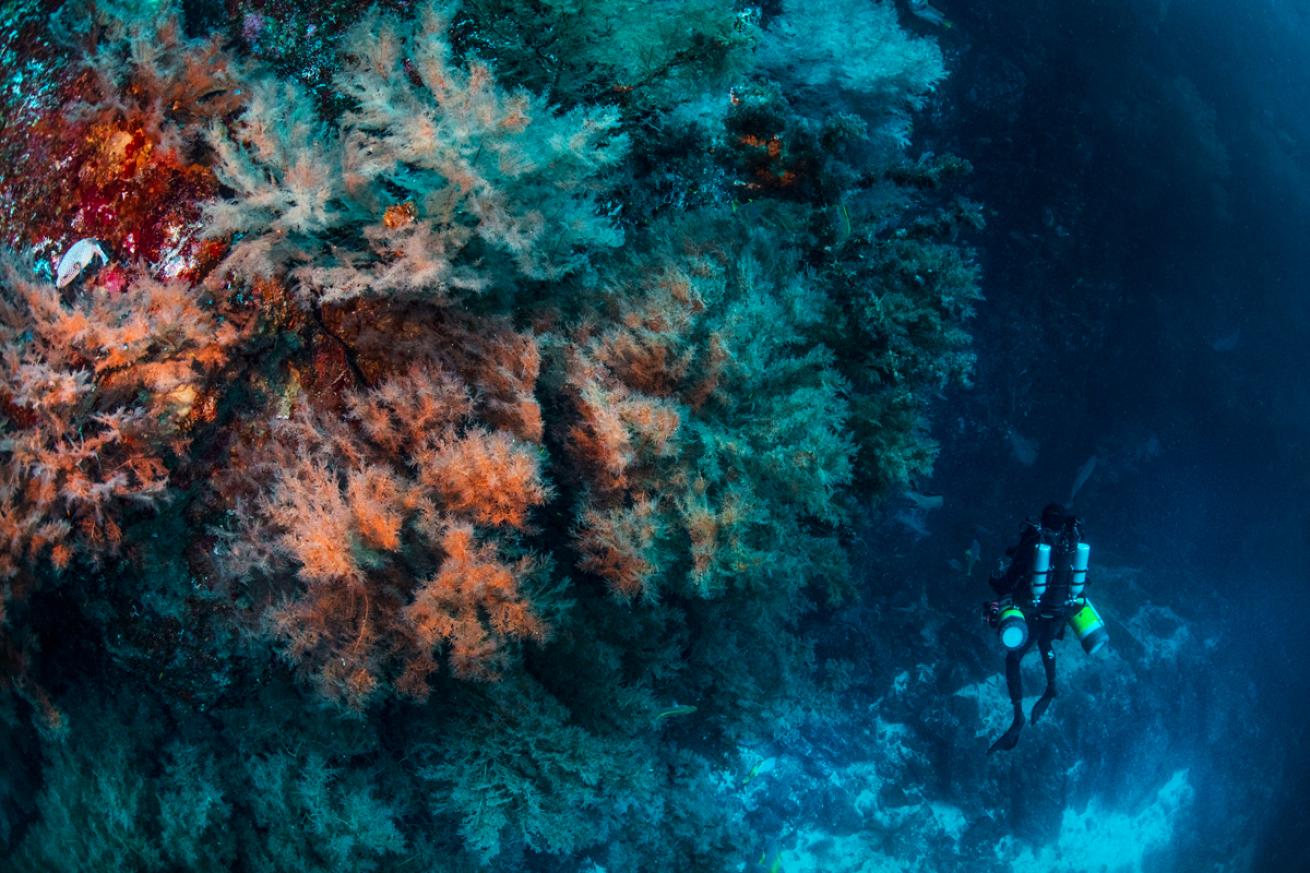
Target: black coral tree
x=432, y=169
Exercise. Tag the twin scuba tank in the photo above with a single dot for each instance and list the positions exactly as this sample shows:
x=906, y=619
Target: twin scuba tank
x=1052, y=601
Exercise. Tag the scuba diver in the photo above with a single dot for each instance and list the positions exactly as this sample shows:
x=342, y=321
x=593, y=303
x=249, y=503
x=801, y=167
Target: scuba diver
x=1040, y=590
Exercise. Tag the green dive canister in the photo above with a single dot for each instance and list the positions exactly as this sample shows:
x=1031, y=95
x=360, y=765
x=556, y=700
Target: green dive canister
x=1087, y=624
x=1012, y=628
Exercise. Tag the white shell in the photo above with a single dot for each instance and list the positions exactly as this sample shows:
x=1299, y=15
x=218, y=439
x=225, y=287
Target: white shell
x=76, y=259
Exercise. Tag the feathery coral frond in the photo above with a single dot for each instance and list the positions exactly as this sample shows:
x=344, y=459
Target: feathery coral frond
x=97, y=390
x=355, y=502
x=475, y=170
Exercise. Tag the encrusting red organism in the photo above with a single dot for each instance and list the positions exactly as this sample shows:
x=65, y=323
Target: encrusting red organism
x=119, y=127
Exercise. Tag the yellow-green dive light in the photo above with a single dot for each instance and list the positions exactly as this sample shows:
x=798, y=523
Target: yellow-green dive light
x=1011, y=628
x=1087, y=623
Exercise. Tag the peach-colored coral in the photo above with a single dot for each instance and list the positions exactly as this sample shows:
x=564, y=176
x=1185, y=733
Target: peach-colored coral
x=598, y=440
x=703, y=528
x=389, y=516
x=617, y=545
x=378, y=499
x=315, y=522
x=472, y=603
x=634, y=381
x=498, y=182
x=498, y=365
x=98, y=387
x=399, y=414
x=490, y=477
x=711, y=370
x=508, y=364
x=628, y=379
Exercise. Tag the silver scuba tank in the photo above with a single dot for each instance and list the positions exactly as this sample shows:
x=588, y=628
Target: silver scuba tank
x=1041, y=568
x=1080, y=558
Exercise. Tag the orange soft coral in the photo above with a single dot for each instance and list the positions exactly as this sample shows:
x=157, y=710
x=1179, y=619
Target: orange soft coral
x=354, y=506
x=618, y=546
x=634, y=383
x=497, y=365
x=490, y=477
x=99, y=389
x=472, y=603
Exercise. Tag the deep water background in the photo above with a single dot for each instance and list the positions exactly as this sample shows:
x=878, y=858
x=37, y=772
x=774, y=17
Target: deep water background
x=1145, y=169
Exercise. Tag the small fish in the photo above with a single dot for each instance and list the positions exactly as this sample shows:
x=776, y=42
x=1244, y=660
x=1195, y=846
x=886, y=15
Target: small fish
x=1227, y=343
x=762, y=767
x=77, y=259
x=1023, y=449
x=1084, y=473
x=972, y=556
x=925, y=502
x=674, y=710
x=922, y=9
x=845, y=216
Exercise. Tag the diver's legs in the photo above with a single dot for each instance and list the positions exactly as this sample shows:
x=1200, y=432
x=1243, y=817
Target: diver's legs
x=1048, y=664
x=1014, y=676
x=1014, y=683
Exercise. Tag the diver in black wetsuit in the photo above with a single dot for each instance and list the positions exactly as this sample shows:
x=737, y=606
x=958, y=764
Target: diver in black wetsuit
x=1033, y=608
x=1046, y=632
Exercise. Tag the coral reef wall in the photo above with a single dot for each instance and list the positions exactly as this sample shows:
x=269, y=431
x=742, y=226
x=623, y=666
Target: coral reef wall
x=425, y=428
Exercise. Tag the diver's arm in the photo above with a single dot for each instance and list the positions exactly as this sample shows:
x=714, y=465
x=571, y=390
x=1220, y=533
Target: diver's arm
x=1021, y=558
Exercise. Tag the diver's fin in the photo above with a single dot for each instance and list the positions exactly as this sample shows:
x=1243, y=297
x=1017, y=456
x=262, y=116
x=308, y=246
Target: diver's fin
x=1010, y=738
x=1042, y=702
